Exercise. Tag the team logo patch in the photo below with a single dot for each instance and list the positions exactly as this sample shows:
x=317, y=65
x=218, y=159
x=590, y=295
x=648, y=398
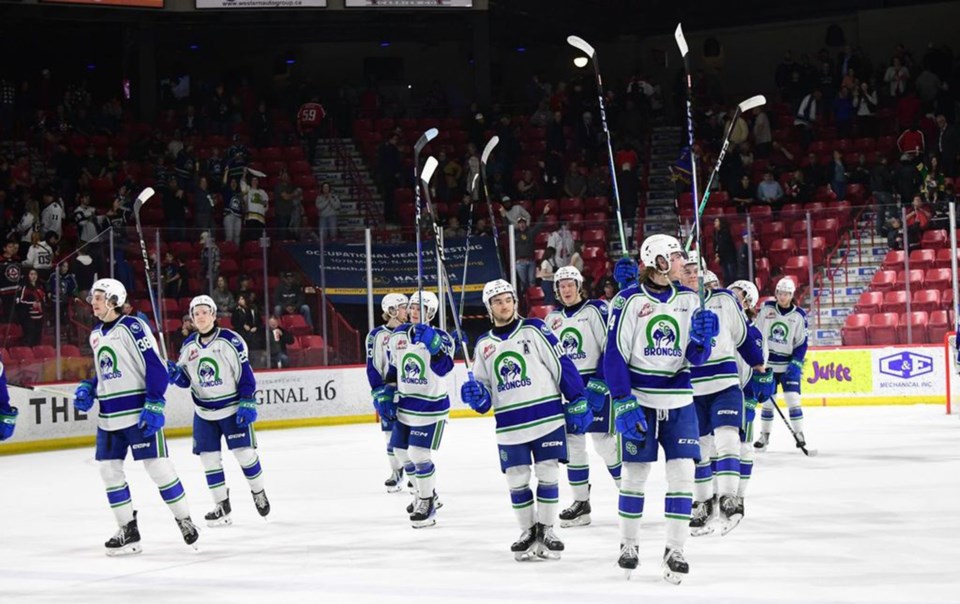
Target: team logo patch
x=194, y=353
x=556, y=324
x=663, y=337
x=779, y=332
x=646, y=310
x=619, y=302
x=135, y=327
x=545, y=330
x=511, y=371
x=209, y=373
x=572, y=343
x=95, y=342
x=488, y=350
x=13, y=273
x=236, y=341
x=107, y=362
x=631, y=448
x=413, y=370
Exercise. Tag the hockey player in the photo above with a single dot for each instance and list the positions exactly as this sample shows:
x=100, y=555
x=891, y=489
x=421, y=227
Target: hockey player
x=8, y=414
x=130, y=384
x=215, y=366
x=656, y=331
x=521, y=371
x=394, y=308
x=757, y=386
x=580, y=325
x=419, y=356
x=718, y=398
x=784, y=328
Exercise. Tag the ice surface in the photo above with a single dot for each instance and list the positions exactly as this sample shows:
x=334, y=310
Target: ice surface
x=872, y=519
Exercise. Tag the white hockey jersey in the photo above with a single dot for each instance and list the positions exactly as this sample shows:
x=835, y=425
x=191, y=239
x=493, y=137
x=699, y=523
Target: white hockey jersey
x=422, y=391
x=720, y=371
x=745, y=369
x=646, y=346
x=784, y=332
x=527, y=374
x=378, y=365
x=582, y=333
x=219, y=372
x=129, y=371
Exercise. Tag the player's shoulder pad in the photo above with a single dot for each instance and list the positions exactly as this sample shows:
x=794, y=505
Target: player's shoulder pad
x=376, y=330
x=769, y=304
x=623, y=296
x=800, y=311
x=601, y=305
x=683, y=289
x=137, y=327
x=189, y=339
x=535, y=323
x=726, y=293
x=232, y=337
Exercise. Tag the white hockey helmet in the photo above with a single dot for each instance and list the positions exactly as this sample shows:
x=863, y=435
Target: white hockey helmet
x=693, y=257
x=392, y=302
x=786, y=286
x=493, y=289
x=567, y=272
x=657, y=246
x=113, y=290
x=710, y=279
x=203, y=301
x=430, y=304
x=750, y=292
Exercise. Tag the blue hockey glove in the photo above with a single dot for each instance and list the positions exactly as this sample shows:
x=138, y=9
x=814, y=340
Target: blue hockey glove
x=625, y=272
x=247, y=412
x=151, y=418
x=749, y=404
x=629, y=418
x=177, y=376
x=596, y=394
x=794, y=372
x=579, y=416
x=476, y=395
x=83, y=396
x=428, y=336
x=383, y=401
x=460, y=337
x=704, y=327
x=764, y=386
x=8, y=422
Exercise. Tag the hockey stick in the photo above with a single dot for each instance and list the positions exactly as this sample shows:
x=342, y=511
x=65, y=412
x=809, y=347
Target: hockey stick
x=46, y=389
x=684, y=52
x=256, y=173
x=425, y=138
x=428, y=168
x=582, y=45
x=137, y=205
x=743, y=107
x=466, y=253
x=486, y=193
x=796, y=439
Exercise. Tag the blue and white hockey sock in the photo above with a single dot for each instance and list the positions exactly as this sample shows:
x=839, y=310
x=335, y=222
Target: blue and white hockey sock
x=521, y=497
x=727, y=439
x=548, y=491
x=216, y=480
x=679, y=501
x=118, y=491
x=631, y=500
x=391, y=457
x=608, y=446
x=578, y=468
x=703, y=488
x=746, y=468
x=766, y=417
x=250, y=464
x=795, y=410
x=164, y=475
x=425, y=472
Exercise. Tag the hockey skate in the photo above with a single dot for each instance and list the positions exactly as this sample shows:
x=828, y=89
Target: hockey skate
x=126, y=541
x=395, y=482
x=549, y=546
x=436, y=503
x=675, y=567
x=629, y=559
x=763, y=442
x=425, y=513
x=525, y=547
x=263, y=504
x=189, y=531
x=577, y=514
x=731, y=513
x=701, y=522
x=220, y=516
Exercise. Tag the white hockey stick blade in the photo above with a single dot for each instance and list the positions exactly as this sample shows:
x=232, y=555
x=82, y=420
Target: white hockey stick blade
x=429, y=167
x=681, y=41
x=812, y=452
x=425, y=138
x=493, y=142
x=473, y=183
x=752, y=102
x=142, y=198
x=581, y=45
x=256, y=173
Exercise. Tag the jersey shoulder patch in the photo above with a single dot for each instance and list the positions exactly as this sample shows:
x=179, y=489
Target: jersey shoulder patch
x=232, y=337
x=601, y=305
x=137, y=327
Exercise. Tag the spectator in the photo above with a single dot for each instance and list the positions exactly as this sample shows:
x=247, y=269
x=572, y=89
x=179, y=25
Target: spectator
x=174, y=209
x=548, y=266
x=223, y=298
x=30, y=300
x=769, y=191
x=762, y=133
x=931, y=180
x=388, y=172
x=131, y=311
x=798, y=190
x=865, y=103
x=260, y=126
x=860, y=174
x=739, y=131
x=279, y=340
x=67, y=291
x=255, y=204
x=896, y=77
x=743, y=257
x=209, y=259
x=574, y=183
x=588, y=136
x=527, y=186
x=911, y=143
x=175, y=277
x=288, y=299
x=947, y=145
x=216, y=170
x=599, y=183
x=525, y=240
x=918, y=220
x=451, y=172
x=808, y=114
x=576, y=259
x=233, y=211
x=742, y=194
x=453, y=230
x=28, y=225
x=245, y=287
x=843, y=113
x=894, y=230
x=283, y=198
x=204, y=202
x=561, y=241
x=183, y=332
x=907, y=180
x=11, y=272
x=838, y=175
x=881, y=188
x=246, y=321
x=51, y=217
x=328, y=206
x=724, y=251
x=40, y=254
x=814, y=174
x=185, y=167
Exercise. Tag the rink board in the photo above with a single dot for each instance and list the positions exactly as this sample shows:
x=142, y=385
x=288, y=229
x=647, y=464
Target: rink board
x=896, y=375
